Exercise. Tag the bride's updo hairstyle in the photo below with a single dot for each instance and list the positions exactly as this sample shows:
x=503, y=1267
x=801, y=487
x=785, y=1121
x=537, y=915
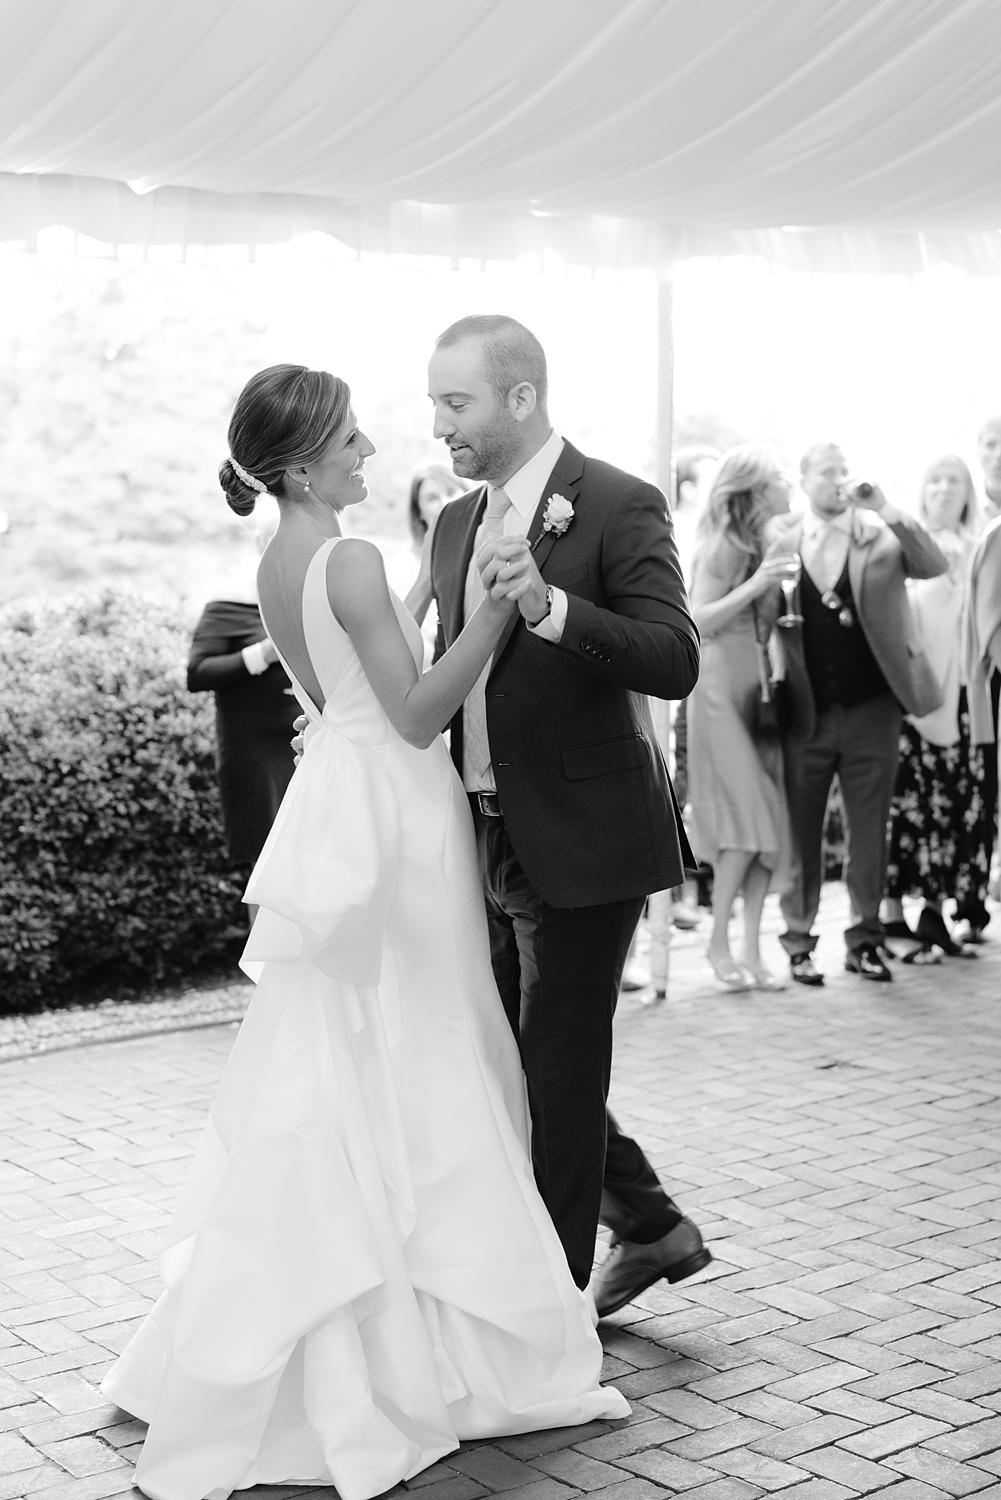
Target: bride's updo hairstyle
x=285, y=416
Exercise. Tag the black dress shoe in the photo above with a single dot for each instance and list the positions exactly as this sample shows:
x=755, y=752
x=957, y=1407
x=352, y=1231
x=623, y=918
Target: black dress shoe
x=867, y=962
x=804, y=970
x=630, y=1268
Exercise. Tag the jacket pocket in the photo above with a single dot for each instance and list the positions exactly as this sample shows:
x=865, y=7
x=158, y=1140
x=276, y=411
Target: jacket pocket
x=627, y=753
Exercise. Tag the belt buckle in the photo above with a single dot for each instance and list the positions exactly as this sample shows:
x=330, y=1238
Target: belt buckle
x=489, y=804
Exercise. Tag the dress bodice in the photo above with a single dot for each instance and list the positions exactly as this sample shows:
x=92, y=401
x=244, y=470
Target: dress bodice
x=349, y=702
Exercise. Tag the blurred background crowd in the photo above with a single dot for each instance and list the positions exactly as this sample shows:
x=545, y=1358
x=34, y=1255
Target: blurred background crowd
x=119, y=561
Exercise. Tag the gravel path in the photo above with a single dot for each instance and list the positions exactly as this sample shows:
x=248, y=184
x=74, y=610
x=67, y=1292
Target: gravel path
x=116, y=1020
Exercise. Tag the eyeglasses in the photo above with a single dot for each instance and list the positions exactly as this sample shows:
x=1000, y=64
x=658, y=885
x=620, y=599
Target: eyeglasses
x=831, y=599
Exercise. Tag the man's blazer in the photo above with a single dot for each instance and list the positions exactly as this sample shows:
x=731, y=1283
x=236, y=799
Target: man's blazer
x=582, y=781
x=881, y=557
x=981, y=623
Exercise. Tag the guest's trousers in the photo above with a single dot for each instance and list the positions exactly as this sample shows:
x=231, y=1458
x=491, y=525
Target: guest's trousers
x=558, y=973
x=859, y=745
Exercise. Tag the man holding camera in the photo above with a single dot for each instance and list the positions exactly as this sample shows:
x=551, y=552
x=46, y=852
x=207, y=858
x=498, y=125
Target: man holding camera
x=853, y=665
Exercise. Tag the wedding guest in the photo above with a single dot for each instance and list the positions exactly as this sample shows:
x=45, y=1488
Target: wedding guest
x=982, y=662
x=232, y=657
x=940, y=826
x=430, y=488
x=853, y=667
x=557, y=738
x=739, y=817
x=694, y=469
x=678, y=908
x=989, y=450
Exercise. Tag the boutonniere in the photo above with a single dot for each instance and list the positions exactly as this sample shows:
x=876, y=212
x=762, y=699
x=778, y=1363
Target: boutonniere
x=556, y=517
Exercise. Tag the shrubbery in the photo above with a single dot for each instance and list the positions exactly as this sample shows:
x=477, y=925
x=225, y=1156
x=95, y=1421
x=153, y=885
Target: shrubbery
x=112, y=863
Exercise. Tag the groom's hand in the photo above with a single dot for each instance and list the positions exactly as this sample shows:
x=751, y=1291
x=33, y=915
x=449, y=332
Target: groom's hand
x=497, y=560
x=514, y=576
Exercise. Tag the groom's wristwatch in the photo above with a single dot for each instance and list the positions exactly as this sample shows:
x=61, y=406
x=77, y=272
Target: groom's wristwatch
x=549, y=606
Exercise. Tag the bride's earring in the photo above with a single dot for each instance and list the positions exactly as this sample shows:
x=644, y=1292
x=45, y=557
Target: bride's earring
x=306, y=485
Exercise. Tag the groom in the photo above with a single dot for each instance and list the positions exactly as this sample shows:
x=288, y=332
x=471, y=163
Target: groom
x=576, y=820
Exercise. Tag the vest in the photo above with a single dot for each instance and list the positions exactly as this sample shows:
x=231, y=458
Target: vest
x=840, y=665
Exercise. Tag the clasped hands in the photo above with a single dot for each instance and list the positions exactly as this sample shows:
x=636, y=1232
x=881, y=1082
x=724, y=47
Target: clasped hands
x=509, y=576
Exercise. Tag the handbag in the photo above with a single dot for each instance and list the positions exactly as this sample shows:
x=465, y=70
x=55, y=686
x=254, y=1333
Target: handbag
x=771, y=709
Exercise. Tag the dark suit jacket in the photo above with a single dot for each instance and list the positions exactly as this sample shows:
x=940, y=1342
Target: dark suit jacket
x=585, y=792
x=880, y=560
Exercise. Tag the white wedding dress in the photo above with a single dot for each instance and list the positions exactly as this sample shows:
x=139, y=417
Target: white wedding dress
x=360, y=1272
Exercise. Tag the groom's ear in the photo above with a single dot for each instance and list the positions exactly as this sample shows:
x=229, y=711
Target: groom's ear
x=521, y=400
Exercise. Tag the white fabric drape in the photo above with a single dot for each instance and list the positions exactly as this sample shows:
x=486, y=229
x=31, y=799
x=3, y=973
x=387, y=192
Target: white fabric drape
x=617, y=134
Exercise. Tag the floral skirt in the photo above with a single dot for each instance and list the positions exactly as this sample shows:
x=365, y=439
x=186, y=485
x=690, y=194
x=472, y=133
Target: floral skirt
x=941, y=822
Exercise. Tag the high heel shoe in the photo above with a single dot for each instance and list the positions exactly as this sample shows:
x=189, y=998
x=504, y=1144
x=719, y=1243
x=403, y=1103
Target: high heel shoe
x=729, y=973
x=931, y=929
x=762, y=978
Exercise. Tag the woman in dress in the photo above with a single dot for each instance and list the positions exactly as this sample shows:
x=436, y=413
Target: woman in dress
x=739, y=817
x=940, y=820
x=255, y=709
x=360, y=1272
x=430, y=489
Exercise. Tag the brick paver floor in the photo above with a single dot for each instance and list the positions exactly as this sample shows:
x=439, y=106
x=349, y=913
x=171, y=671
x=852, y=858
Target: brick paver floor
x=841, y=1149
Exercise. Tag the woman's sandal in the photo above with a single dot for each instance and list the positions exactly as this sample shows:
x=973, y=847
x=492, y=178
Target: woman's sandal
x=762, y=978
x=922, y=955
x=729, y=973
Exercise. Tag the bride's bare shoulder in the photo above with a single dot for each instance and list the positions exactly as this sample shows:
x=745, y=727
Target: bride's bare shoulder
x=356, y=571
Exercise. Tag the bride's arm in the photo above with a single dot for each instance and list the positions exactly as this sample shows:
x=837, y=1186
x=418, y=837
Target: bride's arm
x=418, y=707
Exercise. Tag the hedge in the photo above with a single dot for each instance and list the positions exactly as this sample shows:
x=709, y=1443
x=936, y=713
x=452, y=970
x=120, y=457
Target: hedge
x=113, y=870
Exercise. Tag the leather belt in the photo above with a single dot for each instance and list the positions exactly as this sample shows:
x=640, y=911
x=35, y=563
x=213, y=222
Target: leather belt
x=487, y=803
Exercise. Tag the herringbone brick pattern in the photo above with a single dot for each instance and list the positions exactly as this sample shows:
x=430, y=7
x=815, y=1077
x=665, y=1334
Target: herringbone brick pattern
x=840, y=1148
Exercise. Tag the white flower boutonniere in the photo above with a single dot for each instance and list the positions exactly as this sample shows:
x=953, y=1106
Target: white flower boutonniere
x=557, y=516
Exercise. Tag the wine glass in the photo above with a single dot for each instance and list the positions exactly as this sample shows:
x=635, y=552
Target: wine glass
x=789, y=582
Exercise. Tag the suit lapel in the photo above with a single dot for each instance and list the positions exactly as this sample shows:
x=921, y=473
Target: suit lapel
x=863, y=537
x=564, y=480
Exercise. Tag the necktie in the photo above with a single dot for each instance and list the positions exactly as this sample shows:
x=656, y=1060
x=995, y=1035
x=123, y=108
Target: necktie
x=476, y=770
x=824, y=558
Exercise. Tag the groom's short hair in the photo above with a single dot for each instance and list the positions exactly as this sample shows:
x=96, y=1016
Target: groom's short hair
x=511, y=352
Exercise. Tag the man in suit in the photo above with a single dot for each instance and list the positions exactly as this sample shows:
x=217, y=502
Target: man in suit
x=852, y=666
x=576, y=820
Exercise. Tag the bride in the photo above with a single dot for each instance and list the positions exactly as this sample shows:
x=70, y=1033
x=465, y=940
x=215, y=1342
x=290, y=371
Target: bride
x=360, y=1271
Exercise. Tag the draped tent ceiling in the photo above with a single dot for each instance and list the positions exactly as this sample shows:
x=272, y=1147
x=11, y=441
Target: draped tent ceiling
x=833, y=134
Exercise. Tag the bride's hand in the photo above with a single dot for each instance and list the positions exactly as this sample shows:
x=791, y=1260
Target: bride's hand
x=502, y=562
x=298, y=742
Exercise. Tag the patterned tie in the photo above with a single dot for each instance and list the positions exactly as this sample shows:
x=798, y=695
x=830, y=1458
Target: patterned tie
x=476, y=770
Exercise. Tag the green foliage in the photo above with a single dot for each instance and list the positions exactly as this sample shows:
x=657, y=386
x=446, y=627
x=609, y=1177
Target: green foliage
x=112, y=862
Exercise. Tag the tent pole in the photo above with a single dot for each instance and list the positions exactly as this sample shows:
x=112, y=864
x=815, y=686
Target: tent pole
x=664, y=415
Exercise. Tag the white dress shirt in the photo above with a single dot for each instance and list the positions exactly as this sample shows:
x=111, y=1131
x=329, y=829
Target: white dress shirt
x=824, y=546
x=524, y=490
